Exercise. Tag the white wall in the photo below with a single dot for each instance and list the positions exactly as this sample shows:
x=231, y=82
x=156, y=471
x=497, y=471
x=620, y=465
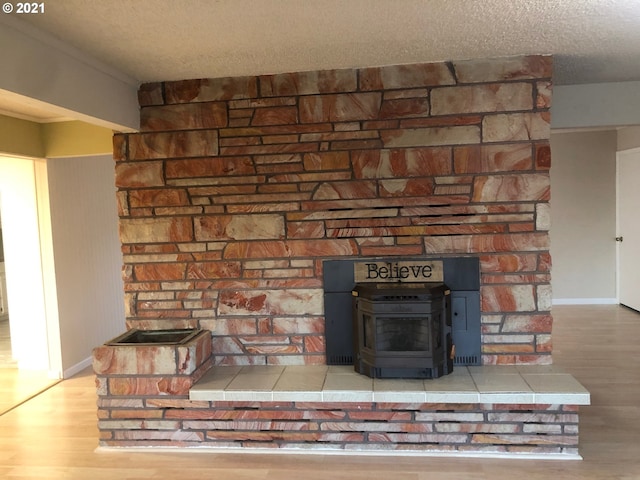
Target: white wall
x=87, y=255
x=41, y=68
x=614, y=104
x=583, y=206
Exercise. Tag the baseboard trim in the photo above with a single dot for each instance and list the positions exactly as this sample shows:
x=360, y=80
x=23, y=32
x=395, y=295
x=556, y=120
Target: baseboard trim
x=585, y=301
x=77, y=368
x=354, y=453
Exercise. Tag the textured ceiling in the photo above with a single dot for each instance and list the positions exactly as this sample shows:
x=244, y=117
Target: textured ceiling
x=150, y=40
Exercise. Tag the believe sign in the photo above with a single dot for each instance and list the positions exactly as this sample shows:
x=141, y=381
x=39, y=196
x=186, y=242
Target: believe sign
x=407, y=271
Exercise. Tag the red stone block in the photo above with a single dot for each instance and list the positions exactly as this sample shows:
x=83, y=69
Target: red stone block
x=308, y=83
x=339, y=108
x=209, y=167
x=151, y=386
x=314, y=344
x=326, y=161
x=522, y=227
x=275, y=116
x=544, y=262
x=120, y=144
x=190, y=116
x=213, y=270
x=150, y=94
x=392, y=251
x=543, y=156
x=158, y=198
x=404, y=108
x=270, y=149
x=406, y=187
x=160, y=271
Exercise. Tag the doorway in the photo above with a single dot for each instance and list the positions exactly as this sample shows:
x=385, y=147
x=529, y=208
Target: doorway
x=628, y=199
x=24, y=262
x=28, y=368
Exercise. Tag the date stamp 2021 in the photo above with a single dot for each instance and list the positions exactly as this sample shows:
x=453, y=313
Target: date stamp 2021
x=23, y=8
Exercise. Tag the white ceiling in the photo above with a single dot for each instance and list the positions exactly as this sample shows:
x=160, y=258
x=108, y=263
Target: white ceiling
x=593, y=41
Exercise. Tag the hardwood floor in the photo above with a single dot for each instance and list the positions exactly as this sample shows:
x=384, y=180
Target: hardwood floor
x=54, y=435
x=17, y=386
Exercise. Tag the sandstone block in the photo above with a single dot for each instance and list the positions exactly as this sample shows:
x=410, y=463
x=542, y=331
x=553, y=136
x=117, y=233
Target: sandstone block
x=398, y=163
x=426, y=137
x=512, y=298
x=514, y=127
x=405, y=76
x=492, y=158
x=498, y=97
x=543, y=216
x=517, y=187
x=239, y=227
x=211, y=89
x=345, y=190
x=196, y=143
x=156, y=230
x=504, y=69
x=139, y=174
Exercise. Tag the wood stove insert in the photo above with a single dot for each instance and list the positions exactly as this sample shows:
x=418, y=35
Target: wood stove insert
x=402, y=331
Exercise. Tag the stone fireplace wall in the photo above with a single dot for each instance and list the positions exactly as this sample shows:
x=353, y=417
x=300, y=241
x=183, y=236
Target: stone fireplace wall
x=237, y=189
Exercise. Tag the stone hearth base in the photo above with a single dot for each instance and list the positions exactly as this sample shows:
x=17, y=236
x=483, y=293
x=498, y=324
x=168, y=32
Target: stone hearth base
x=507, y=410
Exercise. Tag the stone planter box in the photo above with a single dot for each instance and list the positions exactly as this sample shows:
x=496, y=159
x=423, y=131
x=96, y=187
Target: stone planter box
x=157, y=367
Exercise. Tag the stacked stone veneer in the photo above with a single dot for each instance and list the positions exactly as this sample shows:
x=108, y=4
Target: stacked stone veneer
x=237, y=189
x=362, y=426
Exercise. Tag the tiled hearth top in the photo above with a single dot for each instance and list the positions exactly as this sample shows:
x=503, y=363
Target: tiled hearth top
x=530, y=384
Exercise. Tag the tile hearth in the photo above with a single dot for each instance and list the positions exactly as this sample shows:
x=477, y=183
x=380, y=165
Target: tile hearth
x=527, y=384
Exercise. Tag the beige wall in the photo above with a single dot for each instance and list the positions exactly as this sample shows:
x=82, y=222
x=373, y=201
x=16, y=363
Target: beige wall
x=583, y=205
x=628, y=138
x=87, y=255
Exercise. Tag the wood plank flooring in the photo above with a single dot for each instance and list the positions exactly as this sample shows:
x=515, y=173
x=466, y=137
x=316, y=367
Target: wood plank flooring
x=17, y=386
x=54, y=435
